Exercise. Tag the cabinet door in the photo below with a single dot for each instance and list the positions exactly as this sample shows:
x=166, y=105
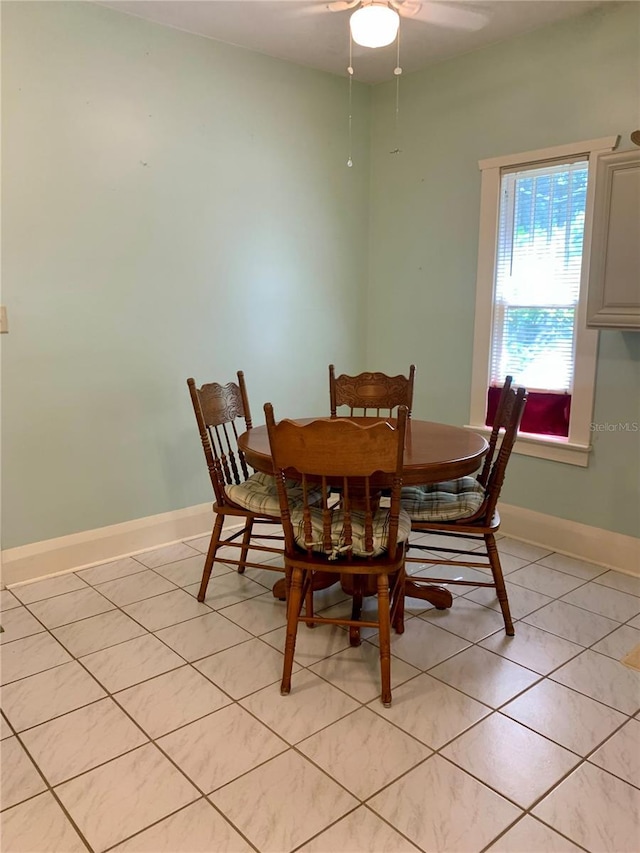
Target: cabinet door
x=614, y=269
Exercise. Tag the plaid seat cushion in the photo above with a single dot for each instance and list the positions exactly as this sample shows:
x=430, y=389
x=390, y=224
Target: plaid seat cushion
x=443, y=501
x=259, y=494
x=338, y=546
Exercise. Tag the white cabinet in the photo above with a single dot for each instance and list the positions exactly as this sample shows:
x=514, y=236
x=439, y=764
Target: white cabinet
x=614, y=269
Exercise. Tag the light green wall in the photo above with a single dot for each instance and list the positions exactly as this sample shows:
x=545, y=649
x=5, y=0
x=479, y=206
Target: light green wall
x=172, y=206
x=573, y=81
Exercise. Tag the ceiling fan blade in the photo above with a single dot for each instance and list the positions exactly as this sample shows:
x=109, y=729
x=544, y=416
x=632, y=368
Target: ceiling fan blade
x=317, y=7
x=458, y=16
x=341, y=5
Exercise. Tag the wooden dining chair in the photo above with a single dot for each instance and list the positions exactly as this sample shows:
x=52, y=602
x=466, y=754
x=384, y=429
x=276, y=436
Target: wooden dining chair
x=373, y=394
x=466, y=509
x=357, y=540
x=241, y=496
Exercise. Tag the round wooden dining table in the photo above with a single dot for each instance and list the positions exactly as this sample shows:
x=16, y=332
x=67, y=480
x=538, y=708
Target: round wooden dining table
x=433, y=452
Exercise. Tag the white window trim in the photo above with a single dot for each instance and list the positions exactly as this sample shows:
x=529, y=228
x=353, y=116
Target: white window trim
x=575, y=449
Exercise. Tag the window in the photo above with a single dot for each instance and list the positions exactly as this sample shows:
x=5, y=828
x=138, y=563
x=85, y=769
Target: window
x=535, y=230
x=537, y=289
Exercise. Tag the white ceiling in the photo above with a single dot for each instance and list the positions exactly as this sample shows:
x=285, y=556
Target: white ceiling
x=307, y=33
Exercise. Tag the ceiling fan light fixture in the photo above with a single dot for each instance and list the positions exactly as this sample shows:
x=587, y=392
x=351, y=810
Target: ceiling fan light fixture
x=374, y=25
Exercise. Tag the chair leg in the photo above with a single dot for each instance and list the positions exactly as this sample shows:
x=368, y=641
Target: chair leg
x=356, y=610
x=211, y=555
x=246, y=540
x=498, y=579
x=308, y=603
x=397, y=601
x=294, y=604
x=385, y=639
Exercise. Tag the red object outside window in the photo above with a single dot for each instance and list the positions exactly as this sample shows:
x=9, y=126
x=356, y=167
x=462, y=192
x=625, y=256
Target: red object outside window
x=546, y=412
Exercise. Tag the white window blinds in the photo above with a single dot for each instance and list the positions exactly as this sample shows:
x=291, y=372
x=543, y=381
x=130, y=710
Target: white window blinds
x=539, y=258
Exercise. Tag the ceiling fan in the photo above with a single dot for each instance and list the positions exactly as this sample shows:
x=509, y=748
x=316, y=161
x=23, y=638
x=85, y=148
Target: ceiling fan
x=374, y=23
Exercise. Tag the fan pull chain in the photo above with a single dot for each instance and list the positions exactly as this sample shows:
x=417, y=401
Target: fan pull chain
x=350, y=73
x=397, y=71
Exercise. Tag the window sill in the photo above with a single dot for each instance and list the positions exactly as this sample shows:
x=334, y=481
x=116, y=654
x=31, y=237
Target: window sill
x=546, y=447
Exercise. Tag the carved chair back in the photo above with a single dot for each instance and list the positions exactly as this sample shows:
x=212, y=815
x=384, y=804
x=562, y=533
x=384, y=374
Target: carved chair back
x=222, y=413
x=371, y=394
x=337, y=453
x=512, y=403
x=498, y=423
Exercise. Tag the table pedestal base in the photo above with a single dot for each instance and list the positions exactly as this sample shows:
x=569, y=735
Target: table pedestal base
x=321, y=580
x=439, y=596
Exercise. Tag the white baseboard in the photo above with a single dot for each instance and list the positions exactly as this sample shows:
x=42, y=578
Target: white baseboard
x=593, y=544
x=81, y=550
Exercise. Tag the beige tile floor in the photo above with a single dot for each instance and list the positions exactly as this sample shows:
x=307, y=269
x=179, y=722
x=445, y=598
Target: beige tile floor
x=136, y=719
